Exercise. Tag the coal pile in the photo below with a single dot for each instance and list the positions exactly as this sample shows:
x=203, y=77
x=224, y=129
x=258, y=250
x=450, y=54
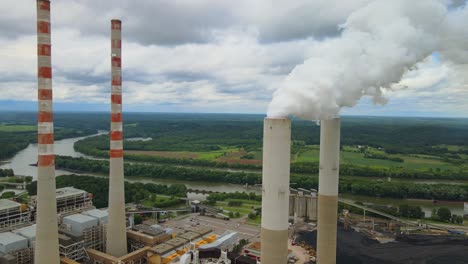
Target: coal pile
x=357, y=248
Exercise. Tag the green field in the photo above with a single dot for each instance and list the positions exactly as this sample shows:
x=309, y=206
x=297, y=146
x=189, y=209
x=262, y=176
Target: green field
x=17, y=128
x=352, y=155
x=246, y=207
x=348, y=155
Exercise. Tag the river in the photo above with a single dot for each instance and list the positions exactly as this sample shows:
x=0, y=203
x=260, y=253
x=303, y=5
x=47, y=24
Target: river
x=20, y=163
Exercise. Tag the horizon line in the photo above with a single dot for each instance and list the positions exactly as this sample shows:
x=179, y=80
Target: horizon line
x=227, y=113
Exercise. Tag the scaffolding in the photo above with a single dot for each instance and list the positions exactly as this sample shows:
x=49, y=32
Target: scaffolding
x=95, y=237
x=135, y=245
x=70, y=199
x=13, y=214
x=75, y=251
x=24, y=256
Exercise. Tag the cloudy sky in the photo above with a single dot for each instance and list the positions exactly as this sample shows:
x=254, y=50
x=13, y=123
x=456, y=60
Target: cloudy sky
x=197, y=56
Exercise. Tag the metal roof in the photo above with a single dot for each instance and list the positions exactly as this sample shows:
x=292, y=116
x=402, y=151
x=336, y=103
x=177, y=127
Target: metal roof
x=79, y=218
x=161, y=249
x=68, y=191
x=176, y=242
x=28, y=231
x=96, y=213
x=7, y=238
x=190, y=235
x=202, y=230
x=146, y=229
x=7, y=204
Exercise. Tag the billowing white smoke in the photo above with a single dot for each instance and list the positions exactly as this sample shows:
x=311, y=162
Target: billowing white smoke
x=378, y=45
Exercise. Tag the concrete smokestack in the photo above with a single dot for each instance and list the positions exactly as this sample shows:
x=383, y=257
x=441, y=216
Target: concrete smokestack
x=116, y=229
x=47, y=244
x=275, y=193
x=328, y=190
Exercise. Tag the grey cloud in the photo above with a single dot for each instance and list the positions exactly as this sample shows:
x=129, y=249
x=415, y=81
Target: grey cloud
x=187, y=76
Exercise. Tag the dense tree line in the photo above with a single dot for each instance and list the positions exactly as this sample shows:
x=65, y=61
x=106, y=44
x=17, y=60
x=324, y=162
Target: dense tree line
x=196, y=132
x=6, y=172
x=99, y=187
x=369, y=155
x=13, y=142
x=178, y=132
x=235, y=195
x=158, y=171
x=410, y=211
x=375, y=188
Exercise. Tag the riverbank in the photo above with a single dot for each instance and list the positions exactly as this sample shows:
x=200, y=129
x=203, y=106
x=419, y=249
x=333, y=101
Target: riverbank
x=65, y=147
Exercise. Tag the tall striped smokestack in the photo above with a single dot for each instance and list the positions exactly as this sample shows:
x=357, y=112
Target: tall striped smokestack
x=116, y=229
x=328, y=190
x=47, y=245
x=275, y=193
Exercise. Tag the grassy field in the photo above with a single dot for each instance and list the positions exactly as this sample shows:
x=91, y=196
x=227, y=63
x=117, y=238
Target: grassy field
x=17, y=128
x=352, y=155
x=229, y=155
x=311, y=153
x=247, y=206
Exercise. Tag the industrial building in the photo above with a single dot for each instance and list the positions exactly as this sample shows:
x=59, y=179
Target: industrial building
x=13, y=214
x=80, y=226
x=303, y=204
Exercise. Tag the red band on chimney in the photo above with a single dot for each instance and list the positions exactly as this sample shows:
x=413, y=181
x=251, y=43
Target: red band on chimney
x=116, y=62
x=116, y=135
x=45, y=160
x=116, y=153
x=116, y=98
x=43, y=27
x=116, y=117
x=116, y=24
x=45, y=72
x=117, y=80
x=44, y=5
x=43, y=49
x=45, y=117
x=45, y=138
x=44, y=94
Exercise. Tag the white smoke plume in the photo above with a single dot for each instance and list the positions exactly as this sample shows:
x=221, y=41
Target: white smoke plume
x=379, y=43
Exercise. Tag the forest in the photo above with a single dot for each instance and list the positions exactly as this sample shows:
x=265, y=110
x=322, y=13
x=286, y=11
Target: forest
x=378, y=188
x=18, y=130
x=99, y=187
x=202, y=147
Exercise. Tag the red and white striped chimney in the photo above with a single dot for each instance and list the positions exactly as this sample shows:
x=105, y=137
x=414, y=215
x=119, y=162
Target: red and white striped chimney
x=47, y=245
x=116, y=228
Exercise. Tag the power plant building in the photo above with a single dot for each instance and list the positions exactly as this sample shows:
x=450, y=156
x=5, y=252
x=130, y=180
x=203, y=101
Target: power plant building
x=13, y=214
x=303, y=204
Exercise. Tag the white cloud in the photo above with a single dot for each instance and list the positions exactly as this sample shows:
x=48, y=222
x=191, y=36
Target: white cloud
x=200, y=55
